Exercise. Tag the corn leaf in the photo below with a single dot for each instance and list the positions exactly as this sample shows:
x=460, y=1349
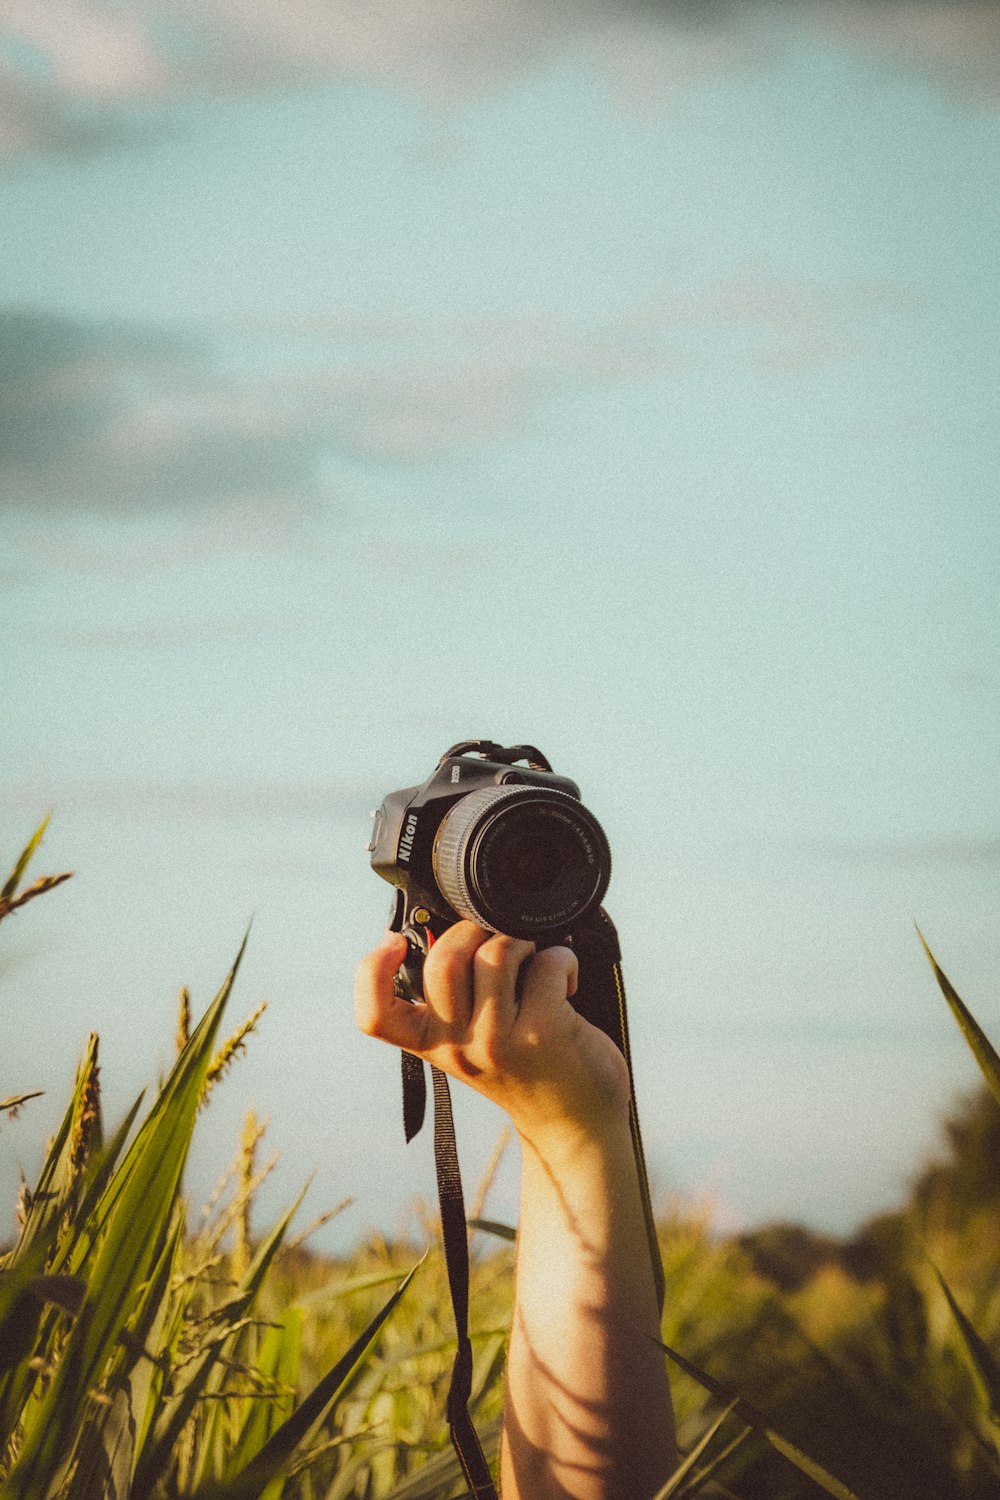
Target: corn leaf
x=979, y=1042
x=755, y=1419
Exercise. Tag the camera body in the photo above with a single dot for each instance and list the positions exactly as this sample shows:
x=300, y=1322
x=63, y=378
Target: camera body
x=510, y=847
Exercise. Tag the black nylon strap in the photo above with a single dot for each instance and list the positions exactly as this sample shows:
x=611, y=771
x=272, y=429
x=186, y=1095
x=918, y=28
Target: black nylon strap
x=414, y=1094
x=600, y=999
x=456, y=1248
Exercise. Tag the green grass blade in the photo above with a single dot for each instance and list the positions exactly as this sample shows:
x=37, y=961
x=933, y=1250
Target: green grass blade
x=336, y=1289
x=101, y=1465
x=166, y=1431
x=980, y=1044
x=755, y=1419
x=45, y=1214
x=719, y=1460
x=684, y=1468
x=439, y=1474
x=491, y=1226
x=278, y=1362
x=16, y=1100
x=88, y=1221
x=21, y=1311
x=161, y=1374
x=37, y=1251
x=276, y=1453
x=24, y=860
x=192, y=1056
x=143, y=1193
x=984, y=1365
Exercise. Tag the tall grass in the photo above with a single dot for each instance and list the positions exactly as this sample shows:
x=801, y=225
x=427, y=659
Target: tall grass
x=145, y=1356
x=134, y=1361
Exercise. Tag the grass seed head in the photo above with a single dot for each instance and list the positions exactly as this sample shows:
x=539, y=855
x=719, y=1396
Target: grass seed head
x=183, y=1019
x=253, y=1131
x=87, y=1120
x=23, y=1202
x=230, y=1049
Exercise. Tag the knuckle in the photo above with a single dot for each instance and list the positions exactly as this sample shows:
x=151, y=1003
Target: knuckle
x=556, y=962
x=502, y=950
x=552, y=959
x=490, y=956
x=445, y=967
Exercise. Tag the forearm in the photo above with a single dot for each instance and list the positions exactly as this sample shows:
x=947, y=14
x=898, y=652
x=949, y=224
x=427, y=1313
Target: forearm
x=588, y=1413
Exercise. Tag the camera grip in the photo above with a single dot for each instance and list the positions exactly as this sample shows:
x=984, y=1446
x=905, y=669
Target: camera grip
x=409, y=980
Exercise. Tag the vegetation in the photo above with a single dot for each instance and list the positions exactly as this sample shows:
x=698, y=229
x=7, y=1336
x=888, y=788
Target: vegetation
x=145, y=1356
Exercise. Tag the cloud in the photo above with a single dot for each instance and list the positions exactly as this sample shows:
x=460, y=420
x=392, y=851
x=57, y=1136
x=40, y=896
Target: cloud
x=495, y=372
x=954, y=41
x=69, y=69
x=118, y=419
x=73, y=62
x=114, y=418
x=232, y=435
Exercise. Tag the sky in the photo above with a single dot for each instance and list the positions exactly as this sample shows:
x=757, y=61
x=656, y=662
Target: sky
x=620, y=379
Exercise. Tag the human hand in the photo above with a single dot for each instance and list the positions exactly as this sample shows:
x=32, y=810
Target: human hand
x=497, y=1015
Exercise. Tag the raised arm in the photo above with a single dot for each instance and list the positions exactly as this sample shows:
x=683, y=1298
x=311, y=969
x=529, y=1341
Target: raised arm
x=587, y=1411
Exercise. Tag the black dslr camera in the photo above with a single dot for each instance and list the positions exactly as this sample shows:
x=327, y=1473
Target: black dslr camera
x=512, y=849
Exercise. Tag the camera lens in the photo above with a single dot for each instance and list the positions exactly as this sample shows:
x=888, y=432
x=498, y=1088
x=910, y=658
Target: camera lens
x=522, y=860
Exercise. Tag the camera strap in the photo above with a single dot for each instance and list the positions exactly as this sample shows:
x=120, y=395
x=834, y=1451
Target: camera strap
x=600, y=999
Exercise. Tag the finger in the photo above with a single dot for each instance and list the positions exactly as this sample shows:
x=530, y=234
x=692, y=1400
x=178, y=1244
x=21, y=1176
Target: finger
x=496, y=967
x=448, y=983
x=378, y=1010
x=550, y=980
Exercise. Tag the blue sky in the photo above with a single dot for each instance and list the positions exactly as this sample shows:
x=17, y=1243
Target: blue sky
x=625, y=386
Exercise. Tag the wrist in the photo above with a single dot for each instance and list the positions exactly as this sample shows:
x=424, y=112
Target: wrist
x=567, y=1145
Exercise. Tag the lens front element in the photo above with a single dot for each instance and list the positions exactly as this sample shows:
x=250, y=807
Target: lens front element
x=526, y=861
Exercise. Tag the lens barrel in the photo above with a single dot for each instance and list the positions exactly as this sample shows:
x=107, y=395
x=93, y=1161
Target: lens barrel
x=523, y=860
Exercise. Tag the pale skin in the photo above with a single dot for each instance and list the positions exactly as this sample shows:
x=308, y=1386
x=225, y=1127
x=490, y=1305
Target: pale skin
x=587, y=1412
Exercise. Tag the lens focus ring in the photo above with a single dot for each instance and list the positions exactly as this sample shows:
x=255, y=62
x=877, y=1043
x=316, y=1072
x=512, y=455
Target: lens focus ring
x=453, y=839
x=523, y=860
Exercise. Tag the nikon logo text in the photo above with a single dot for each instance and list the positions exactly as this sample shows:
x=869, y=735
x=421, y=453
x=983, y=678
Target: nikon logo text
x=406, y=842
